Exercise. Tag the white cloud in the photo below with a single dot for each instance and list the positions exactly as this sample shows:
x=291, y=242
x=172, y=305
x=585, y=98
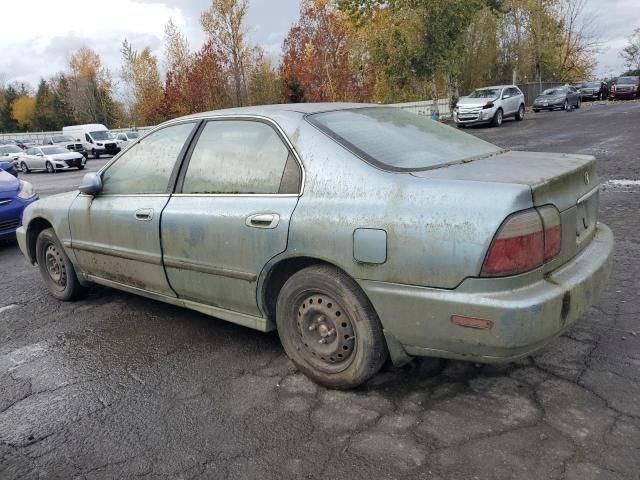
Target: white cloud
x=40, y=43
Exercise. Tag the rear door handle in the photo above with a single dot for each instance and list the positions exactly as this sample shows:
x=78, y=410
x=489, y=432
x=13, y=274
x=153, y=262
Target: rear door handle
x=144, y=214
x=263, y=220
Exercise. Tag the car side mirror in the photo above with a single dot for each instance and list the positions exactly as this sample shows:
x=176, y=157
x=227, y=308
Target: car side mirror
x=40, y=154
x=504, y=97
x=91, y=184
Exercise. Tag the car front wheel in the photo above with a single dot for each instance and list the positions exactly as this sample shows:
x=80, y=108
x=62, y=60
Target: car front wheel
x=50, y=168
x=497, y=118
x=520, y=114
x=55, y=267
x=24, y=168
x=329, y=329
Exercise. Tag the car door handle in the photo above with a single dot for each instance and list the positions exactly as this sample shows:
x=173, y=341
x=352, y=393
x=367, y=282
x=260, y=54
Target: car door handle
x=263, y=220
x=144, y=214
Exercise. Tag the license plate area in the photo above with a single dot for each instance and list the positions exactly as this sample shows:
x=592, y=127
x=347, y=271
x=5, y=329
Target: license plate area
x=587, y=216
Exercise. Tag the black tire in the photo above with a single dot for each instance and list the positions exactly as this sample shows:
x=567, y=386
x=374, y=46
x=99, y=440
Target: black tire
x=338, y=340
x=24, y=168
x=566, y=105
x=520, y=114
x=81, y=167
x=95, y=154
x=535, y=110
x=578, y=104
x=497, y=118
x=460, y=125
x=50, y=168
x=55, y=267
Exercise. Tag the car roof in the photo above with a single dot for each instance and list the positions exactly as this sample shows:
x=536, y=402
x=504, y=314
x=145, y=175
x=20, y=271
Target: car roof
x=295, y=109
x=497, y=86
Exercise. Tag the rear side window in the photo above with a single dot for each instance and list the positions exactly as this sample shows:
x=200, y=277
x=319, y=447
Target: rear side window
x=146, y=167
x=396, y=140
x=241, y=157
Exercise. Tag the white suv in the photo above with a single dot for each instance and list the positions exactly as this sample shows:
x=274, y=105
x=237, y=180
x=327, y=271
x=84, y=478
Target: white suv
x=490, y=105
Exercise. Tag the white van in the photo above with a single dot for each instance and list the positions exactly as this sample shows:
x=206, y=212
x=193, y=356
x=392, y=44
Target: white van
x=95, y=137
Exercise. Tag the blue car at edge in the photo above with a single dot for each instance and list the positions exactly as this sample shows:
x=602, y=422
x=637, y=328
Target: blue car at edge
x=15, y=195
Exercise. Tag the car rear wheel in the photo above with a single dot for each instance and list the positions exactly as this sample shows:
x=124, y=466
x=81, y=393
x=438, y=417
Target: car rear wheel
x=578, y=103
x=497, y=118
x=81, y=167
x=55, y=267
x=520, y=114
x=24, y=168
x=566, y=105
x=50, y=167
x=329, y=329
x=535, y=110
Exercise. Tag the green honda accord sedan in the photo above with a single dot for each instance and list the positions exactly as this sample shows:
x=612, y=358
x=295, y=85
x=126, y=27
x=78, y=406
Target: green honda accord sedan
x=359, y=232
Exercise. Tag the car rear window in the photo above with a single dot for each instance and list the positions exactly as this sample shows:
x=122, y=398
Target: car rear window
x=396, y=140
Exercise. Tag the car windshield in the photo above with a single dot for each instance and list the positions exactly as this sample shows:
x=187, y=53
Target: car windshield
x=627, y=81
x=62, y=138
x=54, y=150
x=10, y=149
x=396, y=140
x=486, y=93
x=593, y=85
x=102, y=135
x=554, y=91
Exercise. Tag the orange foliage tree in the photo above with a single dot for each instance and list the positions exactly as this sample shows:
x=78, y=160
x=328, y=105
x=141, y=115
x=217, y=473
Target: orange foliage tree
x=316, y=63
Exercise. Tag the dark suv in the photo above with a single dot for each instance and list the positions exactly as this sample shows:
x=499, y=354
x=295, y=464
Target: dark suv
x=626, y=87
x=594, y=91
x=67, y=142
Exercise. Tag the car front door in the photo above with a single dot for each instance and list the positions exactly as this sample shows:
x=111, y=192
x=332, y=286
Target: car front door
x=230, y=214
x=513, y=101
x=116, y=234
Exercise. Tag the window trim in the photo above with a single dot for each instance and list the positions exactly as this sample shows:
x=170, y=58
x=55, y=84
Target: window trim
x=251, y=118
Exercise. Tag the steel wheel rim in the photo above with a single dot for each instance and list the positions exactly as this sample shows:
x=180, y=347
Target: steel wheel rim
x=56, y=267
x=325, y=334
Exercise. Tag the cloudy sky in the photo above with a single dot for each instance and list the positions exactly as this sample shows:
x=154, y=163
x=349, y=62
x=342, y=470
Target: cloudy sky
x=38, y=36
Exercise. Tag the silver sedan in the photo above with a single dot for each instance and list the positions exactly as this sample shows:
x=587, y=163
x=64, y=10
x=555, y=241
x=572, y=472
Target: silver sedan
x=51, y=159
x=359, y=232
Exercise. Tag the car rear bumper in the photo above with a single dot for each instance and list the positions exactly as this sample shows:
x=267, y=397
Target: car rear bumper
x=522, y=319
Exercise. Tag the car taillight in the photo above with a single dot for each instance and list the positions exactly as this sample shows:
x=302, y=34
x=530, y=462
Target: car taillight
x=552, y=231
x=525, y=241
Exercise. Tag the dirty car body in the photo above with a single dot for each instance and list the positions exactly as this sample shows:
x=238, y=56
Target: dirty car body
x=458, y=248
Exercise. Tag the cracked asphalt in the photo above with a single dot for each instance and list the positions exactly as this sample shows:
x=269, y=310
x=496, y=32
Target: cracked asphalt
x=117, y=386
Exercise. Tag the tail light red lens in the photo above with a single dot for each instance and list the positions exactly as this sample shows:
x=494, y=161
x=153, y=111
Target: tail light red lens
x=525, y=241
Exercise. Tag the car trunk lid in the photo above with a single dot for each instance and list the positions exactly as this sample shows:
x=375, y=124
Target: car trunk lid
x=569, y=182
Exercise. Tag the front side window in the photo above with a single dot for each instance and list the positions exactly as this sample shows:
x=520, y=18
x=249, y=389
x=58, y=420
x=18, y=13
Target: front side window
x=238, y=157
x=396, y=140
x=146, y=167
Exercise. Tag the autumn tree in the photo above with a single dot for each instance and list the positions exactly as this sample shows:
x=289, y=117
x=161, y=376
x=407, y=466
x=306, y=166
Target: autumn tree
x=22, y=110
x=631, y=53
x=317, y=59
x=264, y=86
x=90, y=88
x=223, y=22
x=140, y=73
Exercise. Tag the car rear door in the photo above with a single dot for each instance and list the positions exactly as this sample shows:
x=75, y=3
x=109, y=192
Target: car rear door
x=230, y=215
x=116, y=234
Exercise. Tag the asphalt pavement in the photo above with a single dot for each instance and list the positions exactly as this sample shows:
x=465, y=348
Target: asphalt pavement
x=118, y=386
